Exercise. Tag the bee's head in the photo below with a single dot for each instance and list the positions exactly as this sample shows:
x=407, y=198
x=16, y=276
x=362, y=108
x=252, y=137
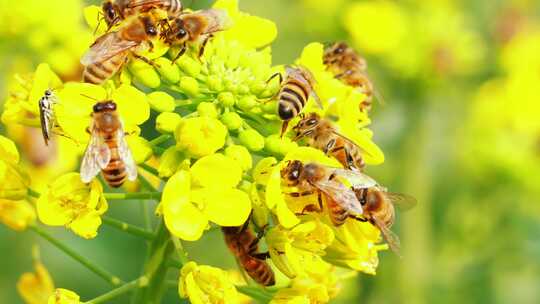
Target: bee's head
x=48, y=93
x=292, y=171
x=307, y=122
x=110, y=12
x=105, y=106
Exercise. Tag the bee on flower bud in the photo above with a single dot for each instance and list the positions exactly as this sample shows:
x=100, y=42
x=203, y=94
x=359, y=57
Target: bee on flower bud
x=323, y=135
x=295, y=89
x=114, y=11
x=190, y=28
x=111, y=51
x=107, y=150
x=244, y=245
x=349, y=67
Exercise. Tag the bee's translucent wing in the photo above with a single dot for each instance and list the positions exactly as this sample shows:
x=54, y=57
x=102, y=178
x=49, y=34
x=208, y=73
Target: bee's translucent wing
x=106, y=47
x=341, y=194
x=218, y=20
x=126, y=156
x=357, y=179
x=403, y=201
x=390, y=237
x=96, y=157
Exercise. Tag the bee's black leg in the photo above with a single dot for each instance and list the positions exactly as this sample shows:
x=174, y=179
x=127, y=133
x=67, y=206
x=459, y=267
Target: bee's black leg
x=182, y=52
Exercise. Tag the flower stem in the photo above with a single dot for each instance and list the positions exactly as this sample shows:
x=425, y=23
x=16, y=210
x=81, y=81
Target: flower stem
x=33, y=193
x=104, y=274
x=160, y=139
x=149, y=169
x=255, y=293
x=140, y=282
x=182, y=255
x=131, y=229
x=131, y=196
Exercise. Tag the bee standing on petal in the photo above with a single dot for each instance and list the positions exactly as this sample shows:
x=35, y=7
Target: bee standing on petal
x=108, y=151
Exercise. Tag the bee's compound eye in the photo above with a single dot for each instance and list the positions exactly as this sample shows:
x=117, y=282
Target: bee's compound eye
x=182, y=33
x=151, y=31
x=311, y=122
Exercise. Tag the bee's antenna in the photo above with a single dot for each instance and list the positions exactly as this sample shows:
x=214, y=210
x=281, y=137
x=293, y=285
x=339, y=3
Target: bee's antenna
x=89, y=97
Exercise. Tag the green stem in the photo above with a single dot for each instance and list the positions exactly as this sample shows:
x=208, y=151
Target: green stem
x=255, y=293
x=160, y=139
x=140, y=282
x=131, y=229
x=132, y=196
x=156, y=268
x=104, y=274
x=149, y=169
x=33, y=193
x=182, y=255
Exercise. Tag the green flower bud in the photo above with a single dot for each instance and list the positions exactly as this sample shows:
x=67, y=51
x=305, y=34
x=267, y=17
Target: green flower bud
x=168, y=70
x=170, y=162
x=161, y=102
x=252, y=140
x=277, y=145
x=200, y=136
x=167, y=122
x=226, y=99
x=189, y=85
x=243, y=89
x=232, y=120
x=207, y=109
x=189, y=66
x=215, y=83
x=240, y=154
x=257, y=87
x=246, y=103
x=270, y=107
x=144, y=73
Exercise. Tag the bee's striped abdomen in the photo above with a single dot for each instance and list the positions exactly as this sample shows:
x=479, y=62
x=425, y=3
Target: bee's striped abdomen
x=115, y=173
x=98, y=72
x=292, y=98
x=259, y=270
x=338, y=215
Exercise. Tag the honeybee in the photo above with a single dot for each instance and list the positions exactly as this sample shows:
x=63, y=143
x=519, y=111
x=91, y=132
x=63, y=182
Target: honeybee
x=193, y=27
x=115, y=11
x=323, y=135
x=46, y=114
x=341, y=200
x=348, y=66
x=110, y=52
x=107, y=150
x=244, y=245
x=379, y=209
x=296, y=88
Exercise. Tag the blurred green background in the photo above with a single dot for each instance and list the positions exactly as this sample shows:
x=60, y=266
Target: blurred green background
x=459, y=123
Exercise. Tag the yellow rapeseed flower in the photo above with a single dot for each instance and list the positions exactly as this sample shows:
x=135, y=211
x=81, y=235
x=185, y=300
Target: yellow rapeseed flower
x=64, y=296
x=298, y=250
x=37, y=287
x=207, y=192
x=21, y=106
x=200, y=136
x=203, y=284
x=71, y=203
x=356, y=246
x=17, y=215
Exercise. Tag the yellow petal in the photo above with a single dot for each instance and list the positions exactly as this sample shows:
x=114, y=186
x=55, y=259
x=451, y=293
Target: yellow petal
x=132, y=105
x=36, y=288
x=140, y=148
x=86, y=225
x=216, y=170
x=225, y=207
x=17, y=215
x=182, y=218
x=74, y=110
x=8, y=150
